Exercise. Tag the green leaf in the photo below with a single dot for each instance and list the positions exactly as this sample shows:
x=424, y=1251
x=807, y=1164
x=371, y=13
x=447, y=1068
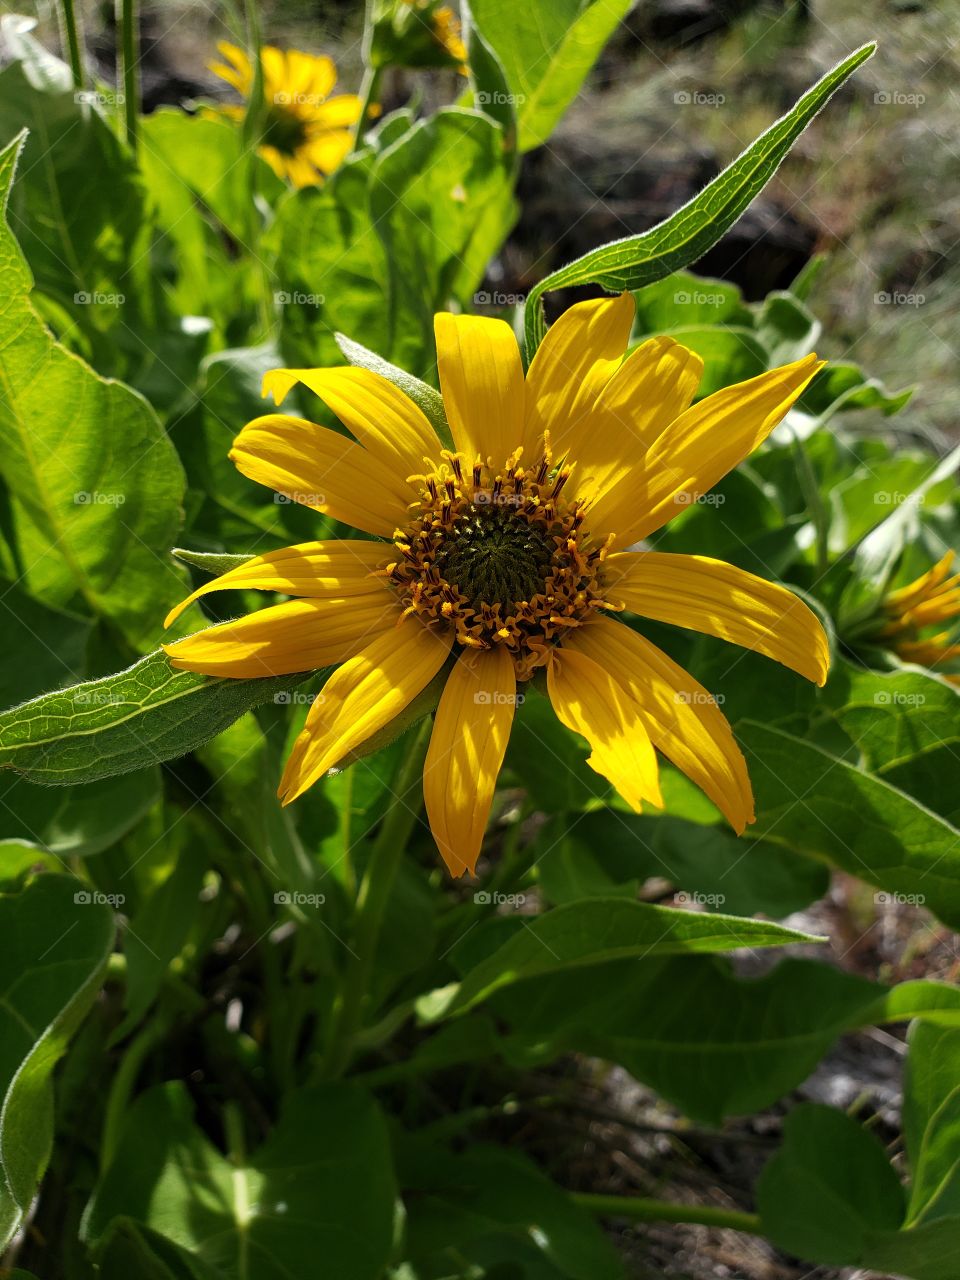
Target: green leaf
x=709, y=1042
x=730, y=354
x=43, y=647
x=931, y=1122
x=211, y=562
x=546, y=49
x=864, y=496
x=828, y=1188
x=571, y=867
x=130, y=1249
x=822, y=806
x=550, y=760
x=924, y=1253
x=441, y=201
x=54, y=945
x=328, y=255
x=830, y=1195
x=20, y=856
x=907, y=727
x=95, y=484
x=495, y=1209
x=356, y=798
x=158, y=931
x=714, y=867
x=786, y=328
x=77, y=821
x=320, y=1186
x=144, y=715
x=683, y=300
x=491, y=91
x=205, y=152
x=877, y=554
x=423, y=396
x=78, y=206
x=87, y=228
x=687, y=234
x=246, y=765
x=593, y=932
x=236, y=509
x=842, y=386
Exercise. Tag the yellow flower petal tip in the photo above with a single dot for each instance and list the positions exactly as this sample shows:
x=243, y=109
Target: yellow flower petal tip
x=909, y=617
x=277, y=382
x=498, y=560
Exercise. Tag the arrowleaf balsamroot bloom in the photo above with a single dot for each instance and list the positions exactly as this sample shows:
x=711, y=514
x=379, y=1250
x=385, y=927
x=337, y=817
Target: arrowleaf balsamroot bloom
x=510, y=557
x=910, y=613
x=306, y=132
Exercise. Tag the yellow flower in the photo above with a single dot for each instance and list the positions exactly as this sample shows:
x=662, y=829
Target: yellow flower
x=306, y=132
x=509, y=558
x=448, y=34
x=928, y=601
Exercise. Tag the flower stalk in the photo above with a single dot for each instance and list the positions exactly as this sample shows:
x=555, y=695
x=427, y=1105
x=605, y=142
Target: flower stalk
x=640, y=1209
x=71, y=38
x=374, y=894
x=129, y=68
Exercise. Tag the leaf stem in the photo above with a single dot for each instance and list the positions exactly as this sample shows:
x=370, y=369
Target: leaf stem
x=71, y=38
x=121, y=1090
x=129, y=44
x=369, y=91
x=372, y=899
x=640, y=1209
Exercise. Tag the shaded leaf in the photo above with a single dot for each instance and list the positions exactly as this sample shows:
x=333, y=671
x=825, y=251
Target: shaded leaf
x=824, y=807
x=321, y=1185
x=55, y=941
x=599, y=930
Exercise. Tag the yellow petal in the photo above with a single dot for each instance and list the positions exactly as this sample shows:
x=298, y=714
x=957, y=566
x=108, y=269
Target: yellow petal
x=235, y=69
x=578, y=356
x=720, y=600
x=275, y=159
x=481, y=378
x=655, y=384
x=341, y=567
x=301, y=172
x=233, y=77
x=682, y=718
x=588, y=701
x=311, y=76
x=467, y=746
x=697, y=450
x=360, y=698
x=299, y=635
x=907, y=596
x=276, y=78
x=384, y=420
x=323, y=470
x=341, y=112
x=328, y=150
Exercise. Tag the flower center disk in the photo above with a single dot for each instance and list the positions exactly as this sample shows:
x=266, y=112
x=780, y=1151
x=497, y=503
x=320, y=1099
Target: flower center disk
x=283, y=129
x=498, y=556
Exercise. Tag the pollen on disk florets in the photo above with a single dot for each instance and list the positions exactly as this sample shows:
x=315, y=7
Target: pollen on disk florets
x=498, y=555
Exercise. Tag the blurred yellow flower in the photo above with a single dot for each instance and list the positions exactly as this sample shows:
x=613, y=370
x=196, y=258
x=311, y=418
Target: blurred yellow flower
x=928, y=601
x=306, y=131
x=448, y=34
x=508, y=558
